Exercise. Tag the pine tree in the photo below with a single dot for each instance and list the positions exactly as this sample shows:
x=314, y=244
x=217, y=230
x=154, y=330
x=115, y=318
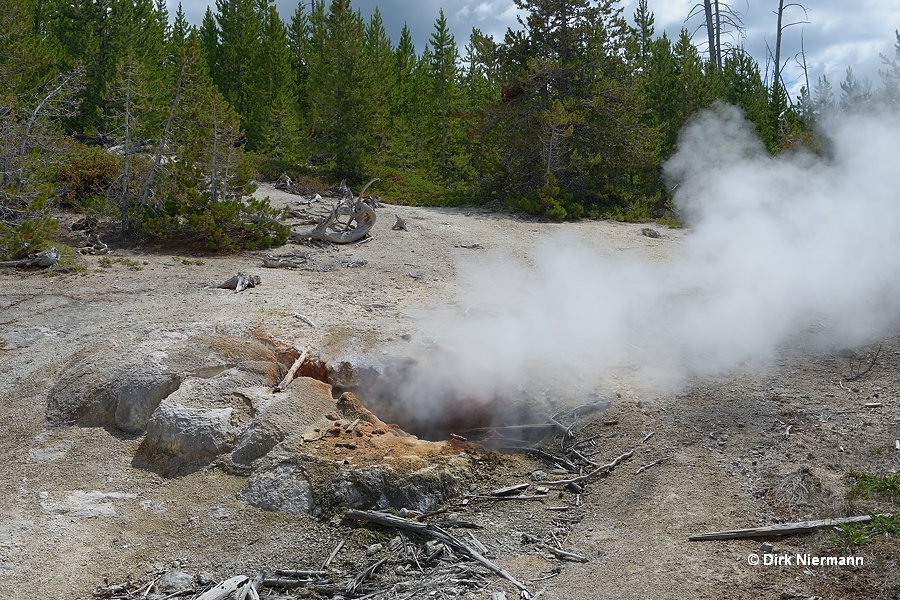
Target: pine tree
x=209, y=43
x=198, y=196
x=445, y=93
x=407, y=110
x=379, y=66
x=568, y=125
x=338, y=90
x=824, y=105
x=888, y=94
x=642, y=31
x=280, y=136
x=240, y=68
x=856, y=94
x=99, y=34
x=742, y=85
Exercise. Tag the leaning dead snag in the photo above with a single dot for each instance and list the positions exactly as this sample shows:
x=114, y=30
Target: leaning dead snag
x=289, y=377
x=782, y=529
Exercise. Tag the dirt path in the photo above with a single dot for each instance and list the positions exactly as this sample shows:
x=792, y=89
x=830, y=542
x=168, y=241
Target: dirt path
x=75, y=512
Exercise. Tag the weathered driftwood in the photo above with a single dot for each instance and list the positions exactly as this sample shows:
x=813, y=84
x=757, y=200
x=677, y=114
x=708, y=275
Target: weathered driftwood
x=780, y=529
x=42, y=260
x=301, y=574
x=271, y=262
x=289, y=376
x=305, y=319
x=227, y=588
x=400, y=225
x=241, y=282
x=434, y=532
x=562, y=554
x=643, y=468
x=349, y=220
x=510, y=490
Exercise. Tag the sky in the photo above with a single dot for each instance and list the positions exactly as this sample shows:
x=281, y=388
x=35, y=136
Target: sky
x=839, y=33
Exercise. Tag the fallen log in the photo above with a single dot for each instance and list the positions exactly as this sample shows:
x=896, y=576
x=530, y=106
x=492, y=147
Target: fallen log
x=270, y=262
x=41, y=260
x=780, y=529
x=434, y=532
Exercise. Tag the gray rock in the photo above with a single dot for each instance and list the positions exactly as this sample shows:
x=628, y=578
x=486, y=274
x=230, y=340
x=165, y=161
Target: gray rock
x=181, y=439
x=284, y=488
x=255, y=442
x=119, y=387
x=174, y=581
x=137, y=400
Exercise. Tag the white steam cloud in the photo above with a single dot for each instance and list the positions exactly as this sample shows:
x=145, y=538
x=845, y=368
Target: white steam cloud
x=784, y=248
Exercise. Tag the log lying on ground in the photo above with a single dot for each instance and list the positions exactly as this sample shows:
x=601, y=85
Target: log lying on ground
x=780, y=529
x=41, y=260
x=434, y=532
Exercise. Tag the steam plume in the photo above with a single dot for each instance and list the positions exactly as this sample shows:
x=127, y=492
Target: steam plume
x=776, y=247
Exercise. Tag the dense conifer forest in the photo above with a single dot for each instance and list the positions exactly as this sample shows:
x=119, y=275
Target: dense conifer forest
x=117, y=108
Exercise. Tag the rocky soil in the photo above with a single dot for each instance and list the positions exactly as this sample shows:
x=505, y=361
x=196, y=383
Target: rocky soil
x=105, y=485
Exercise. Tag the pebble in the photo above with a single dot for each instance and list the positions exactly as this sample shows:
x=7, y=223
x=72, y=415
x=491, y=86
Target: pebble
x=374, y=549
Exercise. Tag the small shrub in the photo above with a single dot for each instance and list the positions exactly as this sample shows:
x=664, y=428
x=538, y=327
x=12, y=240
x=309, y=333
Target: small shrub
x=550, y=201
x=851, y=536
x=226, y=226
x=86, y=176
x=865, y=485
x=69, y=262
x=32, y=234
x=187, y=261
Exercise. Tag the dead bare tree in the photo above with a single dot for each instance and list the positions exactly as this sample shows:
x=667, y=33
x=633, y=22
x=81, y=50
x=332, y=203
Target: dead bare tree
x=28, y=135
x=164, y=138
x=717, y=16
x=776, y=80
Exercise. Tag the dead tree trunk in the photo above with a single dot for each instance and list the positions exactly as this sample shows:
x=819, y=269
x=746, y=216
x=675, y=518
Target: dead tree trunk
x=711, y=33
x=167, y=132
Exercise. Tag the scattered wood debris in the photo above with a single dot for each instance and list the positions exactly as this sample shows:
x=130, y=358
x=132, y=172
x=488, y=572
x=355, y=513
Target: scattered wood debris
x=643, y=468
x=435, y=532
x=92, y=244
x=274, y=262
x=241, y=282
